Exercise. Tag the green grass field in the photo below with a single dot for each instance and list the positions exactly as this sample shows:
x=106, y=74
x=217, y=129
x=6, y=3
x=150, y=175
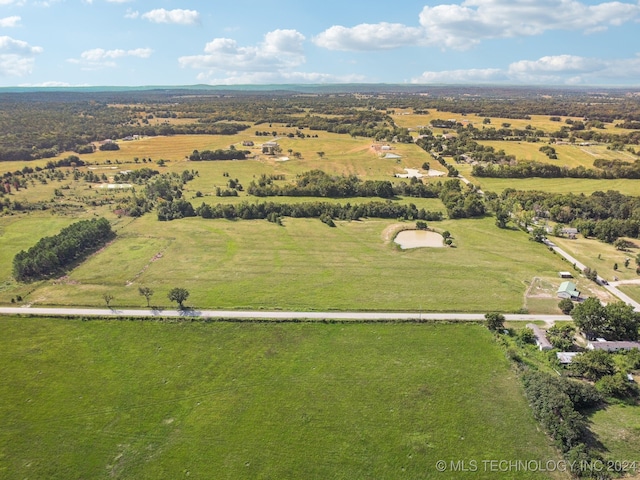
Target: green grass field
x=551, y=185
x=303, y=265
x=119, y=399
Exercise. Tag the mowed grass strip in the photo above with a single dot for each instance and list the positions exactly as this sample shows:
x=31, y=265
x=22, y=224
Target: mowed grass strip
x=305, y=265
x=105, y=399
x=551, y=185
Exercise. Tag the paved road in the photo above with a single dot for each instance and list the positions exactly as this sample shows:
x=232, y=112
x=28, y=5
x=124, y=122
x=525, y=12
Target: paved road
x=267, y=315
x=611, y=288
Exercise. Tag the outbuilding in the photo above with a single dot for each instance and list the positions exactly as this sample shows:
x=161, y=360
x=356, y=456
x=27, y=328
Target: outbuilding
x=568, y=290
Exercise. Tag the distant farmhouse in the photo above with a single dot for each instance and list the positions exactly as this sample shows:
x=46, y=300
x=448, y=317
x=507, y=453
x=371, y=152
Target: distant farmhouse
x=270, y=148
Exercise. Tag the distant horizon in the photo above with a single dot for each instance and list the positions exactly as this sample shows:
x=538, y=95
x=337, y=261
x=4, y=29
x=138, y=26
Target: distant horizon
x=93, y=43
x=346, y=87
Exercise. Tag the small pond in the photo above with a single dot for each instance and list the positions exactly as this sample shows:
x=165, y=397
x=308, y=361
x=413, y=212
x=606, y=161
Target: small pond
x=418, y=239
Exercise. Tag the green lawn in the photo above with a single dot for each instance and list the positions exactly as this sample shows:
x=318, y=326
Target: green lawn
x=119, y=399
x=618, y=428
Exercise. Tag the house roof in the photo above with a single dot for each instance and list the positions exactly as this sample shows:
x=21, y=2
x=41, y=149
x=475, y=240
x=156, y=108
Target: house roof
x=570, y=288
x=541, y=337
x=566, y=357
x=613, y=346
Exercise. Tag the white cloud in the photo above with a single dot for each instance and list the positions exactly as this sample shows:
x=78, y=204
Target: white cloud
x=97, y=58
x=474, y=75
x=177, y=16
x=281, y=49
x=132, y=14
x=17, y=56
x=261, y=78
x=460, y=26
x=10, y=22
x=550, y=70
x=273, y=61
x=369, y=37
x=12, y=2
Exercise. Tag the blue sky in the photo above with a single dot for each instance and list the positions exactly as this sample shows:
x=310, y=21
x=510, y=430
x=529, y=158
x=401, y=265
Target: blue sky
x=185, y=42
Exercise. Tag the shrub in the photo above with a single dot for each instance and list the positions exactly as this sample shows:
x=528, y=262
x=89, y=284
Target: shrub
x=565, y=305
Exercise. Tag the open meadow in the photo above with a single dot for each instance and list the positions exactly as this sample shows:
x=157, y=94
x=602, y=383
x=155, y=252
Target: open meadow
x=144, y=399
x=302, y=265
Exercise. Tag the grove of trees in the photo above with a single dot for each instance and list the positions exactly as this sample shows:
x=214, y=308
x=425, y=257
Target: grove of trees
x=52, y=255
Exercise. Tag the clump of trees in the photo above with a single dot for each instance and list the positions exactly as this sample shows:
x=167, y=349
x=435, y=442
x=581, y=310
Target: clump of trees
x=219, y=154
x=254, y=211
x=557, y=403
x=317, y=183
x=614, y=321
x=52, y=255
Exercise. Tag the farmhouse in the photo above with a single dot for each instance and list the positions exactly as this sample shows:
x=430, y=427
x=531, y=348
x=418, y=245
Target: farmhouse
x=612, y=346
x=270, y=148
x=541, y=338
x=568, y=290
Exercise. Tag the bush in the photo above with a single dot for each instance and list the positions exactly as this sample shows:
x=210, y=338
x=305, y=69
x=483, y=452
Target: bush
x=616, y=386
x=565, y=305
x=494, y=321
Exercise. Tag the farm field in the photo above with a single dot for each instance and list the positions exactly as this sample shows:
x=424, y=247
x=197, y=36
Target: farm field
x=105, y=399
x=601, y=257
x=551, y=185
x=303, y=265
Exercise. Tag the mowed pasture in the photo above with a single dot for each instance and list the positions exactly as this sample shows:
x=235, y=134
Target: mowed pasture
x=551, y=185
x=150, y=400
x=304, y=265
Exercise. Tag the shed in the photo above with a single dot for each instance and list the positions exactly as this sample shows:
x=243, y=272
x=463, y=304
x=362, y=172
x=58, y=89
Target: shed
x=541, y=337
x=568, y=290
x=565, y=275
x=565, y=358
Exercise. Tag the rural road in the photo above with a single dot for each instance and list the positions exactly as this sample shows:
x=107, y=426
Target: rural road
x=266, y=315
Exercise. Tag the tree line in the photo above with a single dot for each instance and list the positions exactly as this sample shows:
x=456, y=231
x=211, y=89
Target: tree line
x=219, y=154
x=528, y=169
x=52, y=255
x=264, y=210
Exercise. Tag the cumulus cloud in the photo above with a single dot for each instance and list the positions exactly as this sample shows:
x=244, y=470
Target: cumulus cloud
x=17, y=56
x=177, y=16
x=12, y=2
x=261, y=78
x=474, y=75
x=461, y=26
x=280, y=49
x=97, y=58
x=9, y=22
x=369, y=37
x=556, y=69
x=274, y=60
